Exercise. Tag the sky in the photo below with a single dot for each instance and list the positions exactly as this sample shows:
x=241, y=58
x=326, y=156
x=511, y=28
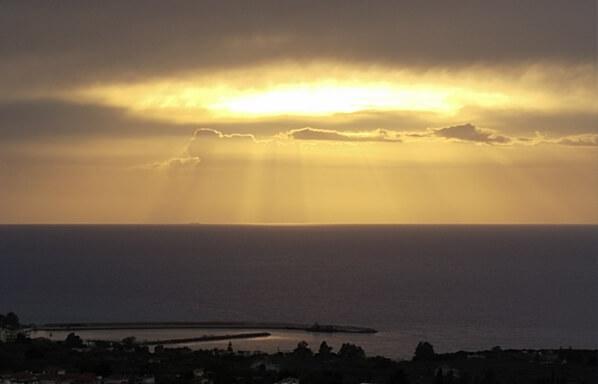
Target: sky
x=278, y=112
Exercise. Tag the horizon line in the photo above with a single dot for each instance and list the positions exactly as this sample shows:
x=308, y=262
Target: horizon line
x=296, y=224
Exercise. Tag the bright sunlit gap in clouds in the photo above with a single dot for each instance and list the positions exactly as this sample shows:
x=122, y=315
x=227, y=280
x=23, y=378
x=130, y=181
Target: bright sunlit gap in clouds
x=325, y=89
x=329, y=99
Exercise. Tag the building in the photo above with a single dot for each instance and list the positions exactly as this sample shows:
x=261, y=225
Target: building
x=7, y=335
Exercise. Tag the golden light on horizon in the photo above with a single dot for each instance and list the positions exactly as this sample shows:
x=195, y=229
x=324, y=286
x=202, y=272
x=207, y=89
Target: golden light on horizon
x=330, y=143
x=308, y=172
x=402, y=113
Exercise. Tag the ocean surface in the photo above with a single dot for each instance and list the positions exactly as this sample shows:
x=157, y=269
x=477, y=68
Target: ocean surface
x=458, y=287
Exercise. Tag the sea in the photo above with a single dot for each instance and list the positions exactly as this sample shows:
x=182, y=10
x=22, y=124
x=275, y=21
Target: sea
x=459, y=287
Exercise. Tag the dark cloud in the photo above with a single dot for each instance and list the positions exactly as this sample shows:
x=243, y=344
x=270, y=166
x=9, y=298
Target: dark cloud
x=468, y=132
x=54, y=121
x=50, y=118
x=41, y=118
x=69, y=42
x=331, y=135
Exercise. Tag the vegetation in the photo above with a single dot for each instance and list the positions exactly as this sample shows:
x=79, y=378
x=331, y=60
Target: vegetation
x=10, y=321
x=135, y=360
x=349, y=365
x=424, y=352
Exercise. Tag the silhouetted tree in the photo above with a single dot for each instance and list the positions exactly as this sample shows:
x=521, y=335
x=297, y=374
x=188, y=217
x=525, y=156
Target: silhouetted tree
x=22, y=338
x=10, y=320
x=324, y=350
x=398, y=377
x=424, y=351
x=302, y=350
x=73, y=341
x=351, y=351
x=129, y=342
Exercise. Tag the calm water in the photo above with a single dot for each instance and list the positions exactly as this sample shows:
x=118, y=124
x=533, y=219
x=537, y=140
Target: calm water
x=459, y=287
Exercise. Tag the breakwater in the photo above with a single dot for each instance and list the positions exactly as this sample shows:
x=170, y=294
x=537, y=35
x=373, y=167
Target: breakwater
x=252, y=335
x=201, y=325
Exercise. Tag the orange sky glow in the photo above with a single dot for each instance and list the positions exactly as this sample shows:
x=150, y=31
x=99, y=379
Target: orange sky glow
x=296, y=116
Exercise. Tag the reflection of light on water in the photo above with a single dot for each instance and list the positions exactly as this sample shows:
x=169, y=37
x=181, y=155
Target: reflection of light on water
x=279, y=337
x=382, y=343
x=287, y=340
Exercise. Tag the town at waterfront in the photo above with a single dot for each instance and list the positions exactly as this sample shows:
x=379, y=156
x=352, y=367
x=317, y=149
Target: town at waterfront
x=24, y=359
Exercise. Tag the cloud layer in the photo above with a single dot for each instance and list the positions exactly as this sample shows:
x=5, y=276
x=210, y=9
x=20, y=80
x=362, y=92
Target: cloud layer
x=205, y=138
x=379, y=135
x=57, y=45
